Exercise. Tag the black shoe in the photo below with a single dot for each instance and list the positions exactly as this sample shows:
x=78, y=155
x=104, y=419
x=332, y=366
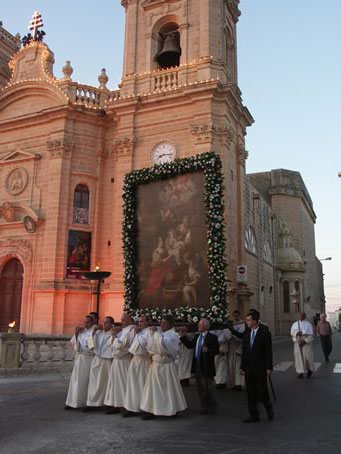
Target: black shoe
x=147, y=416
x=309, y=373
x=271, y=415
x=327, y=360
x=185, y=382
x=300, y=376
x=237, y=388
x=89, y=409
x=112, y=411
x=203, y=411
x=251, y=419
x=128, y=414
x=67, y=407
x=220, y=386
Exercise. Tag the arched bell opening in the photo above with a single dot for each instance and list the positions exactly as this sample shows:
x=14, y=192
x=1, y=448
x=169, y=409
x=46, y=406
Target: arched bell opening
x=169, y=46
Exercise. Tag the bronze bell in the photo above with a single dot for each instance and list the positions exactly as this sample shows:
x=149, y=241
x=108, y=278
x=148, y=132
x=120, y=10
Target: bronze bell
x=171, y=51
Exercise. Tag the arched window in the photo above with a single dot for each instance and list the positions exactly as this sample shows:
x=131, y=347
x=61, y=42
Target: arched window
x=267, y=252
x=297, y=286
x=81, y=204
x=250, y=241
x=286, y=297
x=169, y=48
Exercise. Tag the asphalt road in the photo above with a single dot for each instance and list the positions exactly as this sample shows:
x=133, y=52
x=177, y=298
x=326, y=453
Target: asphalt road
x=307, y=418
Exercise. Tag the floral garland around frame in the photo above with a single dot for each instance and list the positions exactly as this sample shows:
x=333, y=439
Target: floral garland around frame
x=210, y=164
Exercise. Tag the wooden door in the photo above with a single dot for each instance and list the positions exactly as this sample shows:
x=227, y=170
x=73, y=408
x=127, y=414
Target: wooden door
x=11, y=283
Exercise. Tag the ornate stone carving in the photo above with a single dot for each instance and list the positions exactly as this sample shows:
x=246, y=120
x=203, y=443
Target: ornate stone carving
x=16, y=181
x=242, y=154
x=16, y=248
x=29, y=224
x=60, y=148
x=164, y=10
x=7, y=211
x=102, y=153
x=233, y=6
x=204, y=132
x=123, y=146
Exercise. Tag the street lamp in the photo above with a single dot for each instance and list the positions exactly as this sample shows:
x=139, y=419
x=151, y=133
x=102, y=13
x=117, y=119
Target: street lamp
x=98, y=276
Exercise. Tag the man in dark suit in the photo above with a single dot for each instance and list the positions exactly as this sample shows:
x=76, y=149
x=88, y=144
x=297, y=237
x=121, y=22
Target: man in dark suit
x=205, y=347
x=256, y=365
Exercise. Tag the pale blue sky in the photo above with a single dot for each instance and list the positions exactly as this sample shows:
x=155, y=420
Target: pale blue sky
x=289, y=73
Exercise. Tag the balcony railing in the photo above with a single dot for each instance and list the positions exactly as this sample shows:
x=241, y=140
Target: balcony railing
x=166, y=80
x=88, y=96
x=46, y=351
x=80, y=215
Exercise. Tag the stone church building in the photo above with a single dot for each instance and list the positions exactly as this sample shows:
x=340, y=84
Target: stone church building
x=65, y=149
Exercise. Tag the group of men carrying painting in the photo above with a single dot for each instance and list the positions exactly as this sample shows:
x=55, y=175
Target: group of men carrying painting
x=137, y=369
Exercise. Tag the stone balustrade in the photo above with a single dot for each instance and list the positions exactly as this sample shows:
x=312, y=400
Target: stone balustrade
x=46, y=351
x=88, y=96
x=166, y=80
x=114, y=96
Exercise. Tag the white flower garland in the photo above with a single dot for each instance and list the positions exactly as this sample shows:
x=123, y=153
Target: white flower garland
x=210, y=165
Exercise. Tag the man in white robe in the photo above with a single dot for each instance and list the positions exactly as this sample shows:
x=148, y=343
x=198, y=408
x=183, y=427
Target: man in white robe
x=78, y=388
x=221, y=365
x=184, y=361
x=122, y=338
x=162, y=394
x=302, y=333
x=138, y=368
x=236, y=380
x=101, y=364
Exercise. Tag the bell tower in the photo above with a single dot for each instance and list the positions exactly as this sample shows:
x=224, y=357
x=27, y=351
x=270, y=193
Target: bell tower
x=196, y=36
x=179, y=93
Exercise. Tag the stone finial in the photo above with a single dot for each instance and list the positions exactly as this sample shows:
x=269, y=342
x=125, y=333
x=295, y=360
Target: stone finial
x=67, y=70
x=103, y=80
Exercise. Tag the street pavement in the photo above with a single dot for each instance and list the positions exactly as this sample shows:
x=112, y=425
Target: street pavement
x=307, y=418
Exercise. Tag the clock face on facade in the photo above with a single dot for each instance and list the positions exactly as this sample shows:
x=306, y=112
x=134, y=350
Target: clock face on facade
x=163, y=152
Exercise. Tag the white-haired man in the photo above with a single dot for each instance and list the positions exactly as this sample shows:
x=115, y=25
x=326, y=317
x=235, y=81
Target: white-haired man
x=205, y=347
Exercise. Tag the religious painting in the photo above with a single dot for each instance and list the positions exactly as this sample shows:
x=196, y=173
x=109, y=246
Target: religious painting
x=79, y=254
x=174, y=240
x=172, y=243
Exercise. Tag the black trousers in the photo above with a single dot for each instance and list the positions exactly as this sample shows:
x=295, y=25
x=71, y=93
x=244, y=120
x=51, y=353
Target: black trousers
x=257, y=391
x=206, y=390
x=326, y=344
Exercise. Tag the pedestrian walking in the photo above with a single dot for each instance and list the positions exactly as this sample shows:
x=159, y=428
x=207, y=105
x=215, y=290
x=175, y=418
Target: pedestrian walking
x=324, y=331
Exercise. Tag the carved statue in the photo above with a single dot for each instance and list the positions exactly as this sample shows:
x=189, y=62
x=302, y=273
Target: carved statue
x=7, y=211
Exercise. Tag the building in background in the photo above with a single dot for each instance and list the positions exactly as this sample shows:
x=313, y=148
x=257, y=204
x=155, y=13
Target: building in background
x=280, y=244
x=65, y=149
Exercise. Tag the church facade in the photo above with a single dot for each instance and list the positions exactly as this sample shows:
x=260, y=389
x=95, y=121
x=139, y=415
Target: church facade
x=65, y=149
